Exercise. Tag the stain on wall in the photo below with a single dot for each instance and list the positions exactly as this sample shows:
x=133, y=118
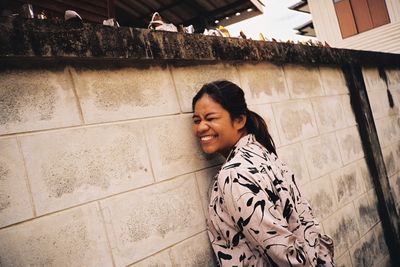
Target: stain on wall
x=347, y=184
x=4, y=196
x=21, y=96
x=294, y=121
x=265, y=81
x=99, y=160
x=303, y=81
x=365, y=252
x=65, y=239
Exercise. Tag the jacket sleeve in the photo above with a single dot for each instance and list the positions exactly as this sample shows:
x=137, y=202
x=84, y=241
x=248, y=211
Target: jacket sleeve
x=265, y=218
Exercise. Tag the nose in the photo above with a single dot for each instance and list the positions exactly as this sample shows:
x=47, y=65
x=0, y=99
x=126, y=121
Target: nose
x=202, y=127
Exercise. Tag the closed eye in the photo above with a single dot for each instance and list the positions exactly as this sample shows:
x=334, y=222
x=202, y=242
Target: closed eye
x=196, y=120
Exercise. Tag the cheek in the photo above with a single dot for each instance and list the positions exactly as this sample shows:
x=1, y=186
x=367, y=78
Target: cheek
x=194, y=129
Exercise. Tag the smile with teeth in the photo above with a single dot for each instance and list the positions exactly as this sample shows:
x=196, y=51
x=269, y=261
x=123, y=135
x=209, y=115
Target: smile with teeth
x=207, y=137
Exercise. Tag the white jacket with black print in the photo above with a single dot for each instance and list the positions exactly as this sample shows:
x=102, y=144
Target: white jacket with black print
x=257, y=216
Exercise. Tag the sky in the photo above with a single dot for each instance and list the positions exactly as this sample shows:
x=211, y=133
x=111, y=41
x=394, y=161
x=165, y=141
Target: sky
x=277, y=22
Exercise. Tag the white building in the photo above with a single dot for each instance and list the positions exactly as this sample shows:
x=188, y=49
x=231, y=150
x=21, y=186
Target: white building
x=356, y=24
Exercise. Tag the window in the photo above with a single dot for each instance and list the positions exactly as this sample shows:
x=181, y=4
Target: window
x=356, y=16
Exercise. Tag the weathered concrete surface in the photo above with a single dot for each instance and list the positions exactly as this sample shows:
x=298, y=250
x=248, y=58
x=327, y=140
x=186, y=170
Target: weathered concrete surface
x=293, y=155
x=193, y=252
x=174, y=149
x=266, y=112
x=329, y=113
x=205, y=179
x=350, y=144
x=295, y=121
x=71, y=238
x=322, y=155
x=321, y=197
x=35, y=100
x=303, y=81
x=162, y=215
x=125, y=93
x=189, y=79
x=264, y=81
x=89, y=163
x=343, y=227
x=333, y=80
x=15, y=204
x=50, y=38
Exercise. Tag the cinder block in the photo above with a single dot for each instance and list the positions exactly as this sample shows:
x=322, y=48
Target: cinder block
x=343, y=228
x=372, y=79
x=350, y=144
x=205, y=180
x=73, y=166
x=387, y=130
x=303, y=81
x=71, y=238
x=365, y=174
x=295, y=121
x=265, y=111
x=194, y=252
x=174, y=148
x=188, y=80
x=35, y=100
x=343, y=260
x=321, y=197
x=329, y=113
x=15, y=204
x=380, y=101
x=390, y=161
x=393, y=76
x=128, y=93
x=322, y=155
x=348, y=111
x=364, y=252
x=366, y=213
x=161, y=259
x=333, y=80
x=264, y=81
x=347, y=184
x=147, y=220
x=293, y=156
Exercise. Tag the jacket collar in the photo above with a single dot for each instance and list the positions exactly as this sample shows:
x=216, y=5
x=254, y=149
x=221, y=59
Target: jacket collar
x=243, y=141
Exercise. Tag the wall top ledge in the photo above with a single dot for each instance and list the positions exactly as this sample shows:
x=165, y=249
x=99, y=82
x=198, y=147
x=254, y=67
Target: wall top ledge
x=50, y=39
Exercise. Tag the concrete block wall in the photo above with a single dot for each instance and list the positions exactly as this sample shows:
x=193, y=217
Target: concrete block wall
x=384, y=96
x=98, y=166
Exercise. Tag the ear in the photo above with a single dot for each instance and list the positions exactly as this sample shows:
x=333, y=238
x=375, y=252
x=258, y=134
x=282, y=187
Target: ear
x=239, y=122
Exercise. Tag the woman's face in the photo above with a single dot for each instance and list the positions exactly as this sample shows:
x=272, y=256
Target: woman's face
x=214, y=127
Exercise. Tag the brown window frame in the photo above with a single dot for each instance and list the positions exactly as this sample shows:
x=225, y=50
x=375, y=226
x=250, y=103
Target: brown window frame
x=357, y=16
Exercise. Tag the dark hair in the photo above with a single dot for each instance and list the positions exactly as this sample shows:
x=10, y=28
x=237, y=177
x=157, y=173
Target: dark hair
x=231, y=98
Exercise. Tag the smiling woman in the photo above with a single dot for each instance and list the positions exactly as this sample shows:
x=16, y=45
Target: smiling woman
x=257, y=216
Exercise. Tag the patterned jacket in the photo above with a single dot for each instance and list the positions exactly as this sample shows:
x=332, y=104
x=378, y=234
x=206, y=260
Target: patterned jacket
x=257, y=216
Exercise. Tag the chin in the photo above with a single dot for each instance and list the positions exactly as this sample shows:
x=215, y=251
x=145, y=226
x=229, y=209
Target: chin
x=209, y=150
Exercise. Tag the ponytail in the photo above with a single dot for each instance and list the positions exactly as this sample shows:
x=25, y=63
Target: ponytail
x=256, y=125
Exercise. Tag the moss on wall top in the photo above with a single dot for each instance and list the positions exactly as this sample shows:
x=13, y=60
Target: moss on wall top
x=56, y=39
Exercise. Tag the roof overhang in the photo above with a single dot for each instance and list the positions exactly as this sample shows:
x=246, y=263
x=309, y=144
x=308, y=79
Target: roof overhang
x=137, y=13
x=199, y=13
x=306, y=29
x=301, y=6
